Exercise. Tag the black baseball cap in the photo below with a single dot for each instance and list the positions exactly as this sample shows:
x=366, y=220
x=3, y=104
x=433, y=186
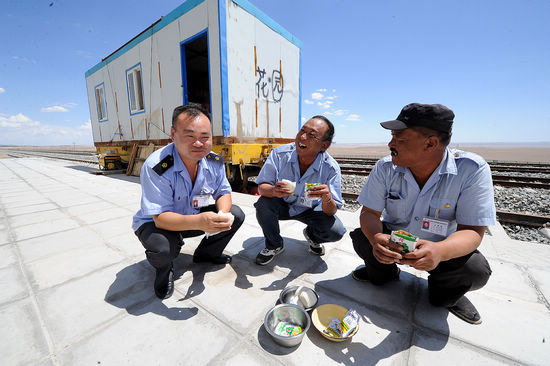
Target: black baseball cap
x=434, y=116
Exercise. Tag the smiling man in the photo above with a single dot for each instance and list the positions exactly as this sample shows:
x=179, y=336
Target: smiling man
x=177, y=182
x=290, y=170
x=442, y=196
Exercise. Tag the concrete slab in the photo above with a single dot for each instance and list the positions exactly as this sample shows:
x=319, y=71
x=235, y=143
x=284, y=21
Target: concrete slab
x=76, y=283
x=23, y=341
x=12, y=283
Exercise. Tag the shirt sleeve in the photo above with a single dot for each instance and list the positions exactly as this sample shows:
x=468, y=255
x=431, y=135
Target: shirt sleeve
x=373, y=194
x=268, y=173
x=157, y=192
x=334, y=184
x=222, y=184
x=475, y=205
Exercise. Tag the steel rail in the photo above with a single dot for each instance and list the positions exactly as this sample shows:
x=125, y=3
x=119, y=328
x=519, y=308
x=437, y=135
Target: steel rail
x=503, y=216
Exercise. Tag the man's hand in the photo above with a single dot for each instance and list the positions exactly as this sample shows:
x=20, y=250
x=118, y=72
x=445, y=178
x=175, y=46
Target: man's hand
x=385, y=251
x=280, y=189
x=426, y=256
x=320, y=191
x=211, y=222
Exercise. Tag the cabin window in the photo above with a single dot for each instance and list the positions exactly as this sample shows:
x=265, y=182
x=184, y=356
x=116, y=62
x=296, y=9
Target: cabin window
x=135, y=89
x=101, y=103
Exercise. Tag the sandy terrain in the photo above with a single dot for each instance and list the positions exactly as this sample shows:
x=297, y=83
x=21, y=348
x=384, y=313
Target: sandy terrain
x=538, y=153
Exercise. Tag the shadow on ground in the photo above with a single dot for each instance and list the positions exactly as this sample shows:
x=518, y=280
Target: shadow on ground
x=132, y=290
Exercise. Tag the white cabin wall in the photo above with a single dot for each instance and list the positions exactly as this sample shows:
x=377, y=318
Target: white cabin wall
x=273, y=53
x=214, y=69
x=162, y=47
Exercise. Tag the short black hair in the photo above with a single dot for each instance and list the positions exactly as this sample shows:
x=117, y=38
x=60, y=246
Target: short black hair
x=329, y=135
x=443, y=137
x=192, y=109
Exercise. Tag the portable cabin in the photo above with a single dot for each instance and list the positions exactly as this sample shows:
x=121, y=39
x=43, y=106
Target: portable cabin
x=226, y=55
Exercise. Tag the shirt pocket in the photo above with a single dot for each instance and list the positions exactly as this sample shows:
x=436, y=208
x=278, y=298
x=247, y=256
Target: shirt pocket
x=396, y=206
x=442, y=208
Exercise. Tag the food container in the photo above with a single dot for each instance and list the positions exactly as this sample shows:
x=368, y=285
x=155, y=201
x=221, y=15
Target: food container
x=291, y=186
x=406, y=240
x=290, y=314
x=305, y=297
x=322, y=316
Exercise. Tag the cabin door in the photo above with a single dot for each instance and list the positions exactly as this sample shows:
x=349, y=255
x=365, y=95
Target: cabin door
x=195, y=70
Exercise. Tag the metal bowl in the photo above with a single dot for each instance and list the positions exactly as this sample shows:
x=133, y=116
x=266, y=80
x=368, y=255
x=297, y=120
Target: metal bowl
x=288, y=313
x=307, y=301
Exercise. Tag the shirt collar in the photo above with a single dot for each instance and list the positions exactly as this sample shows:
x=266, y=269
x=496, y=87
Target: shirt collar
x=448, y=164
x=316, y=165
x=178, y=164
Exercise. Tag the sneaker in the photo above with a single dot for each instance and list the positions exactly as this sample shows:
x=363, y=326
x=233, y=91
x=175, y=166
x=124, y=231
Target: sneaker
x=267, y=255
x=317, y=249
x=466, y=311
x=362, y=275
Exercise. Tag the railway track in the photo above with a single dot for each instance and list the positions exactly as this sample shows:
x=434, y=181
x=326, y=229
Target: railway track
x=64, y=155
x=502, y=216
x=505, y=180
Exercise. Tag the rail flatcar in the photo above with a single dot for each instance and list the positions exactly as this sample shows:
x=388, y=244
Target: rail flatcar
x=224, y=54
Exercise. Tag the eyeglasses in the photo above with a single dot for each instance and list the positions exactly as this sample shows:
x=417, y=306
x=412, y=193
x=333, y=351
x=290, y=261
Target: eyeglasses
x=311, y=134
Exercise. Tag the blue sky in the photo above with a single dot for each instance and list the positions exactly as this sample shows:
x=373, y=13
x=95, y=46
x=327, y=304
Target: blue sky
x=362, y=61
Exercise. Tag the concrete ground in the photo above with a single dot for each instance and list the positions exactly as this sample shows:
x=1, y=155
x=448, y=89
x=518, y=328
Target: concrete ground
x=77, y=290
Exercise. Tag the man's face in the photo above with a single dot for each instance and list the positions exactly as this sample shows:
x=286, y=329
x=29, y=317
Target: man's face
x=192, y=136
x=309, y=140
x=407, y=147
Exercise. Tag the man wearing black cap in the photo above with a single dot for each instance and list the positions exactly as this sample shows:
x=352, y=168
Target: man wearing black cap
x=442, y=196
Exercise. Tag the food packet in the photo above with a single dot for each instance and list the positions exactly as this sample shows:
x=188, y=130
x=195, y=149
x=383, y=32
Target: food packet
x=308, y=188
x=221, y=213
x=406, y=240
x=287, y=330
x=342, y=328
x=290, y=185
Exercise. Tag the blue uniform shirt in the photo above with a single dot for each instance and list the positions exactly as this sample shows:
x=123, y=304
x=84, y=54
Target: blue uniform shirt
x=460, y=190
x=169, y=188
x=282, y=163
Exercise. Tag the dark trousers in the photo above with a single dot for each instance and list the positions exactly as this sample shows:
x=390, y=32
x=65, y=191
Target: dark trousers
x=321, y=227
x=163, y=246
x=447, y=282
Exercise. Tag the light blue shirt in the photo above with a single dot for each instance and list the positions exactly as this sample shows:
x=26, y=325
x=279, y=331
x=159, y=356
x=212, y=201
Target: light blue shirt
x=172, y=189
x=460, y=190
x=282, y=163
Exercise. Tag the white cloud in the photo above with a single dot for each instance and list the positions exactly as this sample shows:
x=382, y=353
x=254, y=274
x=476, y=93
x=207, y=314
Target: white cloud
x=325, y=104
x=21, y=130
x=24, y=59
x=343, y=126
x=340, y=112
x=328, y=113
x=321, y=90
x=17, y=121
x=316, y=96
x=2, y=90
x=353, y=117
x=55, y=108
x=70, y=105
x=332, y=97
x=308, y=101
x=86, y=126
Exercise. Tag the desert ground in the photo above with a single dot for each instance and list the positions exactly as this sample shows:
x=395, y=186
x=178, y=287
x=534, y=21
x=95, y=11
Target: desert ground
x=511, y=152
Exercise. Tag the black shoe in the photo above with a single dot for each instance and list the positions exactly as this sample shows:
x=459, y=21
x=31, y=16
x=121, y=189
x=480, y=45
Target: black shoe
x=222, y=259
x=362, y=275
x=466, y=311
x=266, y=255
x=315, y=248
x=164, y=283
